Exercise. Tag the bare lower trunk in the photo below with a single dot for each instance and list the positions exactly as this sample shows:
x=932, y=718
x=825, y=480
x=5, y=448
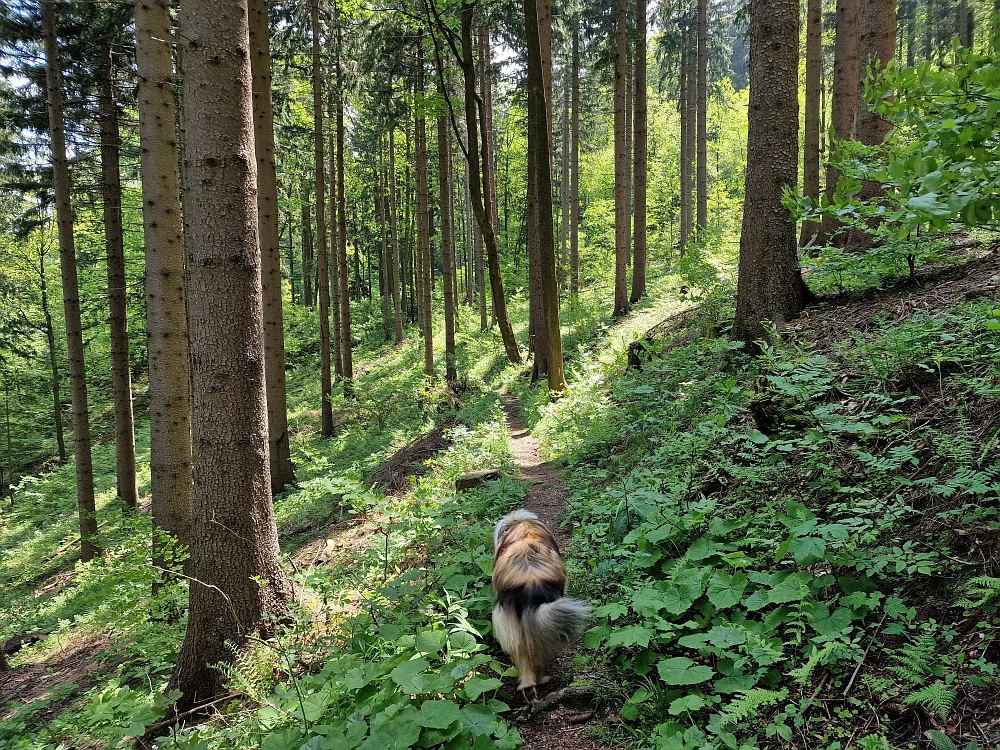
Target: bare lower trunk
x=50, y=339
x=684, y=103
x=447, y=251
x=810, y=151
x=423, y=222
x=111, y=189
x=166, y=288
x=393, y=224
x=621, y=163
x=639, y=231
x=702, y=212
x=323, y=262
x=346, y=352
x=71, y=289
x=574, y=177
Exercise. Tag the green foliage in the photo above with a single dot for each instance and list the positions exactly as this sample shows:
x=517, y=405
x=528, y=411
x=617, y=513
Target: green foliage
x=937, y=698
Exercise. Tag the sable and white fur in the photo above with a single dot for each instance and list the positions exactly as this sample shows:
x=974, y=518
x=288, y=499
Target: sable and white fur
x=532, y=619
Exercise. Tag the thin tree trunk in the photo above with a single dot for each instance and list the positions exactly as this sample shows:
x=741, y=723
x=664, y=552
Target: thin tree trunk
x=621, y=163
x=702, y=213
x=447, y=252
x=844, y=106
x=111, y=189
x=574, y=176
x=166, y=288
x=71, y=289
x=346, y=351
x=393, y=225
x=538, y=20
x=307, y=254
x=50, y=338
x=423, y=221
x=279, y=449
x=383, y=261
x=810, y=152
x=564, y=188
x=484, y=210
x=639, y=249
x=684, y=104
x=336, y=334
x=323, y=283
x=237, y=584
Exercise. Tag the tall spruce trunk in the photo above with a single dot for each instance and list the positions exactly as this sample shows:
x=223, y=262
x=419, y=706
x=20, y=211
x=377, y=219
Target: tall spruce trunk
x=346, y=352
x=121, y=370
x=336, y=335
x=394, y=270
x=322, y=260
x=478, y=153
x=810, y=149
x=844, y=104
x=770, y=288
x=641, y=152
x=447, y=249
x=702, y=170
x=538, y=34
x=423, y=220
x=684, y=104
x=50, y=340
x=166, y=286
x=308, y=265
x=71, y=289
x=486, y=86
x=384, y=289
x=621, y=162
x=237, y=584
x=564, y=187
x=279, y=449
x=574, y=174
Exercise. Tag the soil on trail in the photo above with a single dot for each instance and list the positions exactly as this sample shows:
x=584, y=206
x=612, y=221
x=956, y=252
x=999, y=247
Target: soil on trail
x=563, y=727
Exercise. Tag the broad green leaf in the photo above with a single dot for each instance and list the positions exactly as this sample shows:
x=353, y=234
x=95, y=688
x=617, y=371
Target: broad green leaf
x=807, y=549
x=725, y=590
x=478, y=720
x=478, y=685
x=408, y=675
x=438, y=714
x=431, y=641
x=681, y=671
x=631, y=635
x=686, y=704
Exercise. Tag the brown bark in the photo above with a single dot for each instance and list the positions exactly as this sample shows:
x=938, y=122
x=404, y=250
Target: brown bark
x=574, y=176
x=322, y=260
x=701, y=222
x=336, y=335
x=50, y=338
x=844, y=105
x=684, y=104
x=346, y=352
x=423, y=220
x=121, y=370
x=486, y=86
x=538, y=19
x=307, y=254
x=641, y=128
x=71, y=289
x=770, y=288
x=279, y=449
x=447, y=251
x=394, y=227
x=485, y=214
x=166, y=287
x=621, y=163
x=810, y=151
x=237, y=585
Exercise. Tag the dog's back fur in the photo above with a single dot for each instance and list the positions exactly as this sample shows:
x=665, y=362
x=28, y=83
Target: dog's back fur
x=532, y=619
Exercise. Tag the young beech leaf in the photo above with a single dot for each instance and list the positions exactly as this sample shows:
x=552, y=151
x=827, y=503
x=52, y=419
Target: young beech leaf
x=681, y=671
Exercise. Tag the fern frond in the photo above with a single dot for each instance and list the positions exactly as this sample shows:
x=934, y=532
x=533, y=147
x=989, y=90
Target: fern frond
x=936, y=697
x=942, y=741
x=913, y=661
x=874, y=742
x=978, y=592
x=749, y=705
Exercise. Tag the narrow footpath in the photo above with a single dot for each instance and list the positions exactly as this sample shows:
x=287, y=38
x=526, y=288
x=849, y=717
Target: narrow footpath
x=564, y=725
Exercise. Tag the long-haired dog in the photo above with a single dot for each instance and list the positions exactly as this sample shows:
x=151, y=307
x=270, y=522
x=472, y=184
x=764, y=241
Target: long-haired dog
x=532, y=619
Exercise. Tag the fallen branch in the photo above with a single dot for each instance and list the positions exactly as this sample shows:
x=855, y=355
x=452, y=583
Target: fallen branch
x=154, y=729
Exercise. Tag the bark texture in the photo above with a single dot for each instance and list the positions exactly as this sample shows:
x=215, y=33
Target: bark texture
x=621, y=162
x=423, y=220
x=770, y=288
x=71, y=289
x=574, y=173
x=166, y=286
x=702, y=137
x=641, y=157
x=810, y=149
x=237, y=585
x=279, y=450
x=346, y=352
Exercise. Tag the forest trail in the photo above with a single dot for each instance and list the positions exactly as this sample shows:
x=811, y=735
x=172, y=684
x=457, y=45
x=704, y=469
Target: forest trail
x=564, y=727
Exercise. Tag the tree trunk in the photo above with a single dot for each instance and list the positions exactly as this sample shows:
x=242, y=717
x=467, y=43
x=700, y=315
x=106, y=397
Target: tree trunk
x=484, y=210
x=279, y=450
x=684, y=104
x=641, y=127
x=237, y=585
x=307, y=254
x=621, y=163
x=166, y=288
x=770, y=288
x=346, y=352
x=111, y=190
x=423, y=220
x=810, y=151
x=336, y=335
x=574, y=175
x=322, y=260
x=447, y=252
x=564, y=188
x=50, y=338
x=538, y=20
x=844, y=106
x=71, y=289
x=877, y=47
x=702, y=214
x=393, y=225
x=383, y=259
x=486, y=85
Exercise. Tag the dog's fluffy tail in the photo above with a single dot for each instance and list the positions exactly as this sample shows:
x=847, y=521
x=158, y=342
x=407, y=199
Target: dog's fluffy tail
x=534, y=638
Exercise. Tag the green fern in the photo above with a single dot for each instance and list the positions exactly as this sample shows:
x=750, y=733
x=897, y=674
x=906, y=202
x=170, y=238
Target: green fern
x=750, y=704
x=914, y=660
x=936, y=697
x=802, y=674
x=943, y=742
x=979, y=592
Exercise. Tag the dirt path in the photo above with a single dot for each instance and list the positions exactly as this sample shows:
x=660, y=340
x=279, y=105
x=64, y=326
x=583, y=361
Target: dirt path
x=563, y=727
